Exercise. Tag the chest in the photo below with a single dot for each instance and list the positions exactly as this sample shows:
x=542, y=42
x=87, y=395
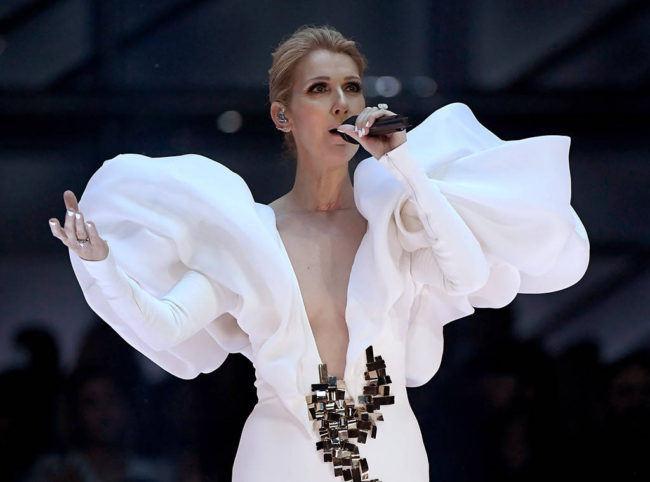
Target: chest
x=321, y=248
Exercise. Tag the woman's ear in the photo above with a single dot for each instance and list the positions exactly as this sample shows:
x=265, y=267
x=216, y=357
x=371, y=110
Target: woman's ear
x=280, y=117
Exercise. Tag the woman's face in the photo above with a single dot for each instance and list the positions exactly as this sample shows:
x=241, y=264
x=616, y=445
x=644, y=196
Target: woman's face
x=326, y=91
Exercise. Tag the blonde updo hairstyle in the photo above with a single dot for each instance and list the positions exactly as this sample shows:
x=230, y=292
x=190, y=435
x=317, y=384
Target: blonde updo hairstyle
x=289, y=54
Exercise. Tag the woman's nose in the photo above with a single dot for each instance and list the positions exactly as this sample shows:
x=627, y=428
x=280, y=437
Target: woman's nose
x=340, y=103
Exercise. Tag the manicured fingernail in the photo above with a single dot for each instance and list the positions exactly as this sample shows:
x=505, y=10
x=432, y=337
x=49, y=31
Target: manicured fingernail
x=70, y=213
x=88, y=224
x=368, y=124
x=52, y=223
x=78, y=216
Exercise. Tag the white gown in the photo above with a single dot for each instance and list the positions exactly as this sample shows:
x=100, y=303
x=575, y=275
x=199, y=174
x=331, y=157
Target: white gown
x=457, y=219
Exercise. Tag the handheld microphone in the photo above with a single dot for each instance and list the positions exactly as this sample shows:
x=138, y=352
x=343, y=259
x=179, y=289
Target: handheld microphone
x=382, y=126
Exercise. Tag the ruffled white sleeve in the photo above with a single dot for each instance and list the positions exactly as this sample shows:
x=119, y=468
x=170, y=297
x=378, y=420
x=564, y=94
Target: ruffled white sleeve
x=501, y=209
x=428, y=225
x=159, y=322
x=478, y=220
x=186, y=243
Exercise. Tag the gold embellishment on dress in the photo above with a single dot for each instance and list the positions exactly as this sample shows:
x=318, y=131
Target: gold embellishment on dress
x=338, y=420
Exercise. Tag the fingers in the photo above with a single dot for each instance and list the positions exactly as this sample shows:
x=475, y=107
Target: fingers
x=80, y=227
x=57, y=231
x=60, y=233
x=367, y=118
x=73, y=227
x=361, y=125
x=93, y=235
x=69, y=226
x=80, y=236
x=349, y=130
x=70, y=201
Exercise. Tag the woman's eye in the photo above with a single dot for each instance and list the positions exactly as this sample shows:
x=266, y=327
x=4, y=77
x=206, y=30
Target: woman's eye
x=354, y=87
x=318, y=88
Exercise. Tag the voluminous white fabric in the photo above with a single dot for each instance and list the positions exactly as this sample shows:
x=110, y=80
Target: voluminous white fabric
x=457, y=219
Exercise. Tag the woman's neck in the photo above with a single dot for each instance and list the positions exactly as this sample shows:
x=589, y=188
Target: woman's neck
x=318, y=188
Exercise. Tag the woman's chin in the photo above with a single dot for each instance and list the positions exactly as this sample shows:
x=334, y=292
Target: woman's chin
x=343, y=152
x=333, y=152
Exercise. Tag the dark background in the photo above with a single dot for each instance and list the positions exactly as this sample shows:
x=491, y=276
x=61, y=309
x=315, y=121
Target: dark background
x=556, y=385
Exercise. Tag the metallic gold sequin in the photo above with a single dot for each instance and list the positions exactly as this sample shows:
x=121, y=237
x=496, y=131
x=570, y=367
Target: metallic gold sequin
x=337, y=419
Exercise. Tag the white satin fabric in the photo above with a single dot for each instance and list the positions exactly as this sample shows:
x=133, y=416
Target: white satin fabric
x=457, y=219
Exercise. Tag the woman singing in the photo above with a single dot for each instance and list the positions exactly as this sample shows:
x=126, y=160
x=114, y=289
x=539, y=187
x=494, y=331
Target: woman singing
x=336, y=292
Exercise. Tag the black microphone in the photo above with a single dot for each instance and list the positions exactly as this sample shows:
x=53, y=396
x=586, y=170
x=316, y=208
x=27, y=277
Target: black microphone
x=382, y=126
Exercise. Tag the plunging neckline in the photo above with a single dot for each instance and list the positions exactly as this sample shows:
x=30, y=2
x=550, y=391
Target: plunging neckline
x=302, y=300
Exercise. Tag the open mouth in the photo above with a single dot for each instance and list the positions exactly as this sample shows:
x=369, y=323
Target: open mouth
x=339, y=136
x=345, y=137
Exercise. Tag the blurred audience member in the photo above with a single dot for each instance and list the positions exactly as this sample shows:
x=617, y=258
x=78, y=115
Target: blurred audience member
x=623, y=446
x=101, y=426
x=29, y=402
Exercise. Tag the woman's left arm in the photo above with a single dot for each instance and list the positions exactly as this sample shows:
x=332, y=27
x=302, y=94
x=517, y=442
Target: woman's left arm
x=426, y=219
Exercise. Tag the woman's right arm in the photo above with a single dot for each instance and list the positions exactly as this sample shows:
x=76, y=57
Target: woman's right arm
x=160, y=322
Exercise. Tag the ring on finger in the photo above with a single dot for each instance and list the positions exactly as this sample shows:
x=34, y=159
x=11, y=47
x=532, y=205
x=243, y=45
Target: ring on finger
x=382, y=106
x=83, y=242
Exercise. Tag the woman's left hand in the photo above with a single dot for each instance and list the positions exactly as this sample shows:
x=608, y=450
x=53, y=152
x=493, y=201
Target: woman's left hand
x=375, y=145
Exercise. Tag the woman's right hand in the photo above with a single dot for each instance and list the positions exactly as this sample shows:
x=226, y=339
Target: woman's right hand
x=78, y=235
